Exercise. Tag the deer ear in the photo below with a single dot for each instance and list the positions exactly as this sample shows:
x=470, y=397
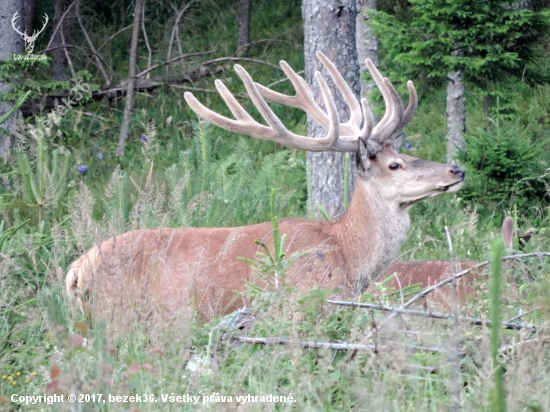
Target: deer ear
x=397, y=142
x=362, y=159
x=508, y=232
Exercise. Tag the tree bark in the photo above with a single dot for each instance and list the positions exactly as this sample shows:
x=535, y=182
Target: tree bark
x=11, y=43
x=59, y=59
x=367, y=43
x=244, y=25
x=329, y=26
x=456, y=116
x=131, y=81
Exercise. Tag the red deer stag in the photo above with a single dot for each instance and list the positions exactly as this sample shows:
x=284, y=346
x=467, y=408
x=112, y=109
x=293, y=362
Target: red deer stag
x=431, y=272
x=176, y=268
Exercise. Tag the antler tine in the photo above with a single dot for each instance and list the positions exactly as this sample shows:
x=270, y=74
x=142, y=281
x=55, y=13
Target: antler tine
x=302, y=100
x=305, y=101
x=354, y=107
x=366, y=131
x=276, y=131
x=236, y=109
x=281, y=132
x=394, y=107
x=13, y=19
x=411, y=107
x=244, y=124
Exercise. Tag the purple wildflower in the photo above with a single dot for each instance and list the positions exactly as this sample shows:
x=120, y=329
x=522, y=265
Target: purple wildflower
x=100, y=156
x=143, y=138
x=82, y=169
x=407, y=145
x=6, y=186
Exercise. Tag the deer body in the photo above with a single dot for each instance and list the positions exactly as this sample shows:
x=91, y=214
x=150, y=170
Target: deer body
x=198, y=267
x=431, y=272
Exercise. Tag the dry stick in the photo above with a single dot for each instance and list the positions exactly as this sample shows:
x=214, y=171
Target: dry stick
x=327, y=345
x=68, y=57
x=112, y=37
x=94, y=51
x=430, y=314
x=258, y=41
x=176, y=32
x=455, y=359
x=150, y=52
x=192, y=89
x=131, y=81
x=458, y=275
x=180, y=49
x=522, y=315
x=269, y=86
x=244, y=59
x=86, y=52
x=59, y=25
x=156, y=66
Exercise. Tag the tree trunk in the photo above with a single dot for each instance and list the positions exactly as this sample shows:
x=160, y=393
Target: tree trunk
x=131, y=81
x=244, y=25
x=59, y=60
x=329, y=26
x=456, y=116
x=367, y=44
x=11, y=43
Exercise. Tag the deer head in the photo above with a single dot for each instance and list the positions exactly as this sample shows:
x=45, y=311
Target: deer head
x=29, y=40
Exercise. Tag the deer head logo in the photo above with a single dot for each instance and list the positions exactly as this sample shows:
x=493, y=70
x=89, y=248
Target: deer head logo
x=29, y=40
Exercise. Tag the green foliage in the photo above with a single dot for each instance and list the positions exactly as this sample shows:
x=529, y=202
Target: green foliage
x=483, y=39
x=504, y=166
x=45, y=178
x=32, y=77
x=274, y=265
x=14, y=108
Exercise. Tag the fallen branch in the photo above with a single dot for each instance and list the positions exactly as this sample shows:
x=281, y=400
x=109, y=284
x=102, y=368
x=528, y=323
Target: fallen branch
x=59, y=25
x=92, y=47
x=466, y=271
x=244, y=59
x=328, y=345
x=113, y=36
x=164, y=63
x=458, y=275
x=430, y=314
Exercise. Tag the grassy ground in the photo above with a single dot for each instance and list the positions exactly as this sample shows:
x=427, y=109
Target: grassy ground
x=186, y=175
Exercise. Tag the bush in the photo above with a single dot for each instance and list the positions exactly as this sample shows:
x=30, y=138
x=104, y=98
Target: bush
x=504, y=167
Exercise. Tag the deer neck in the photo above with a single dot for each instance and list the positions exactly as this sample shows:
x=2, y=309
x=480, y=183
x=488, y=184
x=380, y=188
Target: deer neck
x=371, y=233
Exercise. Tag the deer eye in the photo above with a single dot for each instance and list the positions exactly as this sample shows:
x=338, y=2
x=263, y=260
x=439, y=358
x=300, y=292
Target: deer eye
x=394, y=166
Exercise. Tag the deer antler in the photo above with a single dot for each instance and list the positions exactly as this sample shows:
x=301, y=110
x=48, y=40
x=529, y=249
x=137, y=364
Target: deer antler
x=340, y=137
x=36, y=33
x=13, y=19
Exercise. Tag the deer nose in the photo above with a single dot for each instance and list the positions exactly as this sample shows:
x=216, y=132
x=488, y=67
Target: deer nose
x=458, y=172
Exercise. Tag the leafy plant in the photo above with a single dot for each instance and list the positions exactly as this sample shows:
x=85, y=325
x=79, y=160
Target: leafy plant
x=274, y=264
x=503, y=166
x=45, y=178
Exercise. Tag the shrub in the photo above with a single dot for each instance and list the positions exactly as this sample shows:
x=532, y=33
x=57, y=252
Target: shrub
x=504, y=167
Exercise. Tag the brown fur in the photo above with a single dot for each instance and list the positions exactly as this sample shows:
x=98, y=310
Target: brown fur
x=431, y=272
x=174, y=269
